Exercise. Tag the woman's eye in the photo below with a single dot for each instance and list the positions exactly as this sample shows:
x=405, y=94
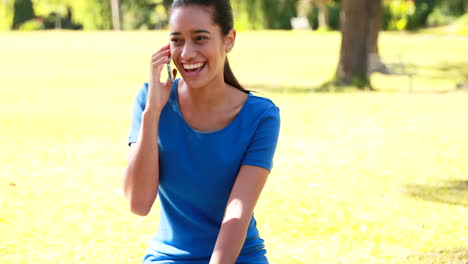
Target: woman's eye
x=201, y=38
x=176, y=41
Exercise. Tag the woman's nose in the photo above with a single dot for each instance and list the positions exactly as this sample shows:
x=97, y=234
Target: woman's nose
x=188, y=51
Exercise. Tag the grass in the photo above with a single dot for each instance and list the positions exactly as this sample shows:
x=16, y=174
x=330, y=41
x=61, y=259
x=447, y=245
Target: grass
x=359, y=177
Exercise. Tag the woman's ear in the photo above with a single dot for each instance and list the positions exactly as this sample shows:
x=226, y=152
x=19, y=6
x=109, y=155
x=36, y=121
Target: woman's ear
x=230, y=40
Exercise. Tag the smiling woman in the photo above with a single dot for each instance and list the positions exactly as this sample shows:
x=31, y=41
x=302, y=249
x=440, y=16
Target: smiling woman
x=203, y=143
x=211, y=39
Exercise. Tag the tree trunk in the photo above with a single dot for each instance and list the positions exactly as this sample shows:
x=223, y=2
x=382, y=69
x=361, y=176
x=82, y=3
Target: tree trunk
x=323, y=15
x=115, y=14
x=322, y=6
x=356, y=27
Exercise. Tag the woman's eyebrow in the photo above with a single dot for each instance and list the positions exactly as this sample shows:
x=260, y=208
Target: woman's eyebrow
x=193, y=32
x=200, y=31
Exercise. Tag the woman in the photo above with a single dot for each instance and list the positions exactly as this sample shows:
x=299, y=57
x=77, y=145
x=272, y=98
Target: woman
x=203, y=143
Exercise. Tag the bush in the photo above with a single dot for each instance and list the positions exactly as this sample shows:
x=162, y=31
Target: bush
x=66, y=22
x=141, y=15
x=333, y=17
x=396, y=14
x=419, y=18
x=23, y=11
x=440, y=18
x=277, y=14
x=406, y=15
x=33, y=24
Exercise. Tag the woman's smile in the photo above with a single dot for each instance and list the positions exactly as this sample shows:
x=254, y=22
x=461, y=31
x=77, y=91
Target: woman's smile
x=193, y=69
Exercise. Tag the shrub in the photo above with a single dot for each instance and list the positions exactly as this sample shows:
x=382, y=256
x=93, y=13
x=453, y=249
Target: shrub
x=397, y=14
x=33, y=24
x=333, y=16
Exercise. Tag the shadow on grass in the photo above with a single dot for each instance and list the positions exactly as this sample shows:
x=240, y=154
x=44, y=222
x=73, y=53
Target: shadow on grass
x=460, y=68
x=445, y=70
x=459, y=256
x=449, y=192
x=296, y=89
x=456, y=71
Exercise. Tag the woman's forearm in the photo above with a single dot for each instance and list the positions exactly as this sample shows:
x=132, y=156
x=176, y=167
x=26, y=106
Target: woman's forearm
x=141, y=177
x=230, y=240
x=239, y=211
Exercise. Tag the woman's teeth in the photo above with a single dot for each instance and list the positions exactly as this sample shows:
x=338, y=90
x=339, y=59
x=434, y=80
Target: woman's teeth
x=193, y=66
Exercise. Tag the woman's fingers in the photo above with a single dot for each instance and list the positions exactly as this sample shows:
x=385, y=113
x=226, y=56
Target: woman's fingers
x=158, y=93
x=157, y=66
x=161, y=54
x=159, y=61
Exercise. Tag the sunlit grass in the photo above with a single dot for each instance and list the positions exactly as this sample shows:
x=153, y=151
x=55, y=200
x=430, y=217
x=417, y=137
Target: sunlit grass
x=358, y=177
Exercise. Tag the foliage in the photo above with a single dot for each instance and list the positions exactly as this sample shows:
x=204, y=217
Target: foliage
x=268, y=14
x=333, y=16
x=413, y=15
x=277, y=14
x=6, y=15
x=454, y=7
x=447, y=12
x=23, y=11
x=422, y=11
x=46, y=7
x=397, y=13
x=33, y=24
x=248, y=14
x=139, y=14
x=92, y=14
x=439, y=17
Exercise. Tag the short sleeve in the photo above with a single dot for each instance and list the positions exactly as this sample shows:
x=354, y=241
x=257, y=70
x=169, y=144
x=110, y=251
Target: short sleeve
x=261, y=148
x=138, y=108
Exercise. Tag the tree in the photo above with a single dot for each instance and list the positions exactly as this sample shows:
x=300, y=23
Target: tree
x=22, y=11
x=323, y=13
x=357, y=19
x=277, y=14
x=115, y=14
x=92, y=14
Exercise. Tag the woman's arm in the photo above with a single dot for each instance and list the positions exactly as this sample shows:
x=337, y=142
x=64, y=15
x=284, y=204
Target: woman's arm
x=141, y=179
x=239, y=210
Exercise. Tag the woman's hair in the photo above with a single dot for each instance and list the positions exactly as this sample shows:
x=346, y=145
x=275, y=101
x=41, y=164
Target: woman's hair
x=222, y=16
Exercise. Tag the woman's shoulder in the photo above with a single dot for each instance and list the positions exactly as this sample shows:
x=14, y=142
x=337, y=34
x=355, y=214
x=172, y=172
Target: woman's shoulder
x=142, y=93
x=260, y=104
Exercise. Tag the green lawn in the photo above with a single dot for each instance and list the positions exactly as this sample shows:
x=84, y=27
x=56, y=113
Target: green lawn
x=359, y=177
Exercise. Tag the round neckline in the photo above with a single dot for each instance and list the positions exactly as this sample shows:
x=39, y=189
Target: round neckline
x=176, y=91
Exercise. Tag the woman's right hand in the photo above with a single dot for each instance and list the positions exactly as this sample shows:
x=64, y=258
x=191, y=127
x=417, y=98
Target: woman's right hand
x=158, y=93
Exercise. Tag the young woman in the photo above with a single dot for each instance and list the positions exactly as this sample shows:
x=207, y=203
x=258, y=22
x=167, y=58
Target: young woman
x=203, y=143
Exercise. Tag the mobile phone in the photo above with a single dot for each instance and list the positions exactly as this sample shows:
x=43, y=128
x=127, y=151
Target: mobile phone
x=169, y=71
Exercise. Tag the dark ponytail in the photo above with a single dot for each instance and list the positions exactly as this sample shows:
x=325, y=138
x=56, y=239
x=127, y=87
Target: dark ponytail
x=230, y=79
x=222, y=16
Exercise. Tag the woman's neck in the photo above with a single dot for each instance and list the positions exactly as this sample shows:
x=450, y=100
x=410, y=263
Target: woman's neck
x=207, y=98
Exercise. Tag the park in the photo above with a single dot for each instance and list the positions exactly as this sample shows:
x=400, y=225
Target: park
x=359, y=176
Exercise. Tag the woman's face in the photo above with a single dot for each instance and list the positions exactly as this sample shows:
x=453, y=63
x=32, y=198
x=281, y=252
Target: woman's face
x=197, y=46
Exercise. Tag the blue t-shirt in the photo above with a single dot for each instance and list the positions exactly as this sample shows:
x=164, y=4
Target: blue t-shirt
x=197, y=173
